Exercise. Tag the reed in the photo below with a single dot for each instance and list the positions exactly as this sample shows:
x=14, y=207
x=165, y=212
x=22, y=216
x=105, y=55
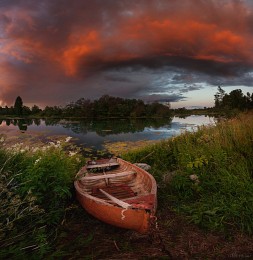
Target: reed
x=207, y=174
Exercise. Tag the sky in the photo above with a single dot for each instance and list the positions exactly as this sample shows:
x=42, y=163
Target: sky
x=55, y=52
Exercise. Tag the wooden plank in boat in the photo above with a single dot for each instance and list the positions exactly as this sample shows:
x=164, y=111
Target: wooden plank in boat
x=106, y=176
x=121, y=191
x=102, y=165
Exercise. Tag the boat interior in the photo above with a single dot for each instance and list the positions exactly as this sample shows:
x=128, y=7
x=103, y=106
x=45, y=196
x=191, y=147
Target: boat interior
x=121, y=181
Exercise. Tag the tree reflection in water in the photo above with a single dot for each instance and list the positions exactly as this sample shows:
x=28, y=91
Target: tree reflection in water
x=100, y=127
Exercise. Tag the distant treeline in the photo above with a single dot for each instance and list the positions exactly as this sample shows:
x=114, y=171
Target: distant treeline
x=108, y=106
x=104, y=107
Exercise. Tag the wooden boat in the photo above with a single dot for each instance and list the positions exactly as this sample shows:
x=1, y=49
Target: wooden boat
x=118, y=193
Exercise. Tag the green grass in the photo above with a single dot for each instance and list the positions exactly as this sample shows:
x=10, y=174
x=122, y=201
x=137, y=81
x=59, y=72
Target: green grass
x=36, y=187
x=207, y=175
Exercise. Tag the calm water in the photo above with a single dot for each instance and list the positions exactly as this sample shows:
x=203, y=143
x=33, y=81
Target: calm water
x=94, y=133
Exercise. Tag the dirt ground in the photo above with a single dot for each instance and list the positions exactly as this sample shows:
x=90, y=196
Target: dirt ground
x=87, y=238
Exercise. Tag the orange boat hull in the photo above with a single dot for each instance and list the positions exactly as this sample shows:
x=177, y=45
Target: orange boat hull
x=141, y=202
x=134, y=219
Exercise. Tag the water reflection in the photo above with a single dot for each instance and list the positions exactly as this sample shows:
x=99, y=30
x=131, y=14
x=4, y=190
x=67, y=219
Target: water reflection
x=100, y=127
x=109, y=127
x=94, y=133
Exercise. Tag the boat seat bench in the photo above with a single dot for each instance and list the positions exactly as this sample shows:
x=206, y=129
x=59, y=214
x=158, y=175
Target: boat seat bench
x=110, y=175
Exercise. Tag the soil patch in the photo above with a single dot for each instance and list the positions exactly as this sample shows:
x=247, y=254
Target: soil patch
x=175, y=238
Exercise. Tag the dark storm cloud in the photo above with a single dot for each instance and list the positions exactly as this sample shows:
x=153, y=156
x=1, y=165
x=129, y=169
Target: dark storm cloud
x=164, y=98
x=117, y=78
x=186, y=89
x=52, y=51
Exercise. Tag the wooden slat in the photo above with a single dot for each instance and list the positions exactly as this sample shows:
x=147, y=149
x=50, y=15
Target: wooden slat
x=102, y=165
x=112, y=175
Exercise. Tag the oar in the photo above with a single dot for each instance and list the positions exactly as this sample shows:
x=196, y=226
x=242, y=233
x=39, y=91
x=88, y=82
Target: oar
x=115, y=200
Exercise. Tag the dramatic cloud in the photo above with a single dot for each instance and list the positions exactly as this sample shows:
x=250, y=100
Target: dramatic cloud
x=53, y=52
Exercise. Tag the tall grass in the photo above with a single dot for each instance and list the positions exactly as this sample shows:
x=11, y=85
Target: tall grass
x=35, y=190
x=207, y=174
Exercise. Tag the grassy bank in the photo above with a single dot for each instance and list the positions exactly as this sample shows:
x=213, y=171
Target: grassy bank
x=36, y=187
x=207, y=175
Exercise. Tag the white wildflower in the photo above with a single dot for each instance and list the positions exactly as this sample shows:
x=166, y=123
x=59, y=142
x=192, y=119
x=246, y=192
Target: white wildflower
x=37, y=160
x=35, y=149
x=2, y=139
x=72, y=153
x=56, y=145
x=68, y=139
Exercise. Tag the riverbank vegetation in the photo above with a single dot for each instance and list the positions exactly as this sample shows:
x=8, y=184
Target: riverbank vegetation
x=207, y=175
x=36, y=189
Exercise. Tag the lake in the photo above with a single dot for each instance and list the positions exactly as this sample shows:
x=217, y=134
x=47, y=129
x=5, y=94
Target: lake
x=95, y=133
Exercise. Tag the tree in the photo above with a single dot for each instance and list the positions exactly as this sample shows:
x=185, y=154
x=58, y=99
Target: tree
x=35, y=110
x=249, y=100
x=18, y=106
x=234, y=100
x=26, y=111
x=218, y=97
